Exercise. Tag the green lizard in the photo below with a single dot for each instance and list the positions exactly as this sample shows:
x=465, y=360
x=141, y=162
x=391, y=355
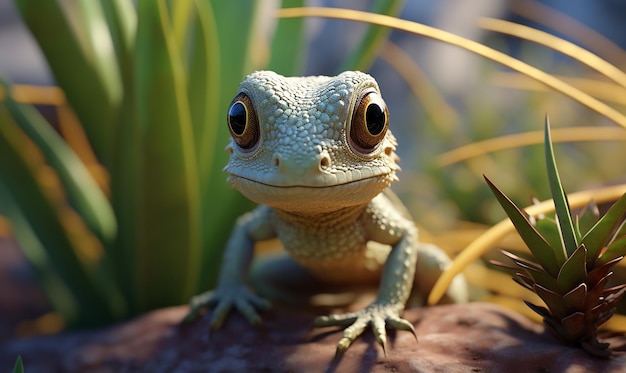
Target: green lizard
x=317, y=155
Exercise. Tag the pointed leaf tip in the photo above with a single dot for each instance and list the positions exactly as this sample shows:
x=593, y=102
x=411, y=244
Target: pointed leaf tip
x=537, y=244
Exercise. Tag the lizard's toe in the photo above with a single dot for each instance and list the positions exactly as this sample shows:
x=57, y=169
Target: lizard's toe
x=401, y=324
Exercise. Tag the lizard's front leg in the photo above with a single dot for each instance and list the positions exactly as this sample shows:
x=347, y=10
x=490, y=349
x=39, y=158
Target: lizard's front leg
x=231, y=288
x=395, y=287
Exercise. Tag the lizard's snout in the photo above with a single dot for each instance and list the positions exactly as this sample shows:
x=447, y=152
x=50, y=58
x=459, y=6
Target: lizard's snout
x=302, y=165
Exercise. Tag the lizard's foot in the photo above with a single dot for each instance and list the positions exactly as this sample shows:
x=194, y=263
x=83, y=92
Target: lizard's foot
x=223, y=299
x=377, y=315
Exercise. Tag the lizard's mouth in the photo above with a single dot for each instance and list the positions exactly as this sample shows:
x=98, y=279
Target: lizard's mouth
x=303, y=197
x=303, y=186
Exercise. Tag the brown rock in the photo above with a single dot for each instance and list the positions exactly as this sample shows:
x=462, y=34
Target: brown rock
x=475, y=337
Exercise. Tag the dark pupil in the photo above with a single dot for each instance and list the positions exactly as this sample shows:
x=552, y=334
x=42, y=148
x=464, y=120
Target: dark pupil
x=237, y=118
x=375, y=119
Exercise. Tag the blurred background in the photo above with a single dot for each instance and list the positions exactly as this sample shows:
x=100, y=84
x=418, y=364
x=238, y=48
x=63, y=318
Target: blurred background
x=440, y=98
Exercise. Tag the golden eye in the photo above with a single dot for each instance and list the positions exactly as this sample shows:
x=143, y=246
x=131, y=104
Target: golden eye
x=370, y=120
x=242, y=122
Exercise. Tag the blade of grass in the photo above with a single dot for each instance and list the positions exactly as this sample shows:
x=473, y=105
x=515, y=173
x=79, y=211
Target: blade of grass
x=204, y=88
x=169, y=220
x=77, y=44
x=364, y=54
x=221, y=205
x=57, y=293
x=19, y=366
x=519, y=140
x=562, y=209
x=84, y=193
x=45, y=216
x=470, y=45
x=558, y=44
x=287, y=49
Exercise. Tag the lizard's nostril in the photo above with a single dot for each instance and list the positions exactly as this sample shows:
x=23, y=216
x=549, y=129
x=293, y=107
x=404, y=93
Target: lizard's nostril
x=324, y=163
x=276, y=161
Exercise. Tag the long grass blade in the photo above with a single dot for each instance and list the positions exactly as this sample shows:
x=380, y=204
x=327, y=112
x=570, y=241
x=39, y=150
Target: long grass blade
x=204, y=88
x=45, y=216
x=470, y=45
x=84, y=193
x=57, y=293
x=76, y=41
x=287, y=51
x=519, y=140
x=562, y=209
x=558, y=44
x=168, y=226
x=364, y=54
x=238, y=43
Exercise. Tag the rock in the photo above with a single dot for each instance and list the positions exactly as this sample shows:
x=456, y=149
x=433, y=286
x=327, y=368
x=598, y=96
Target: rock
x=475, y=337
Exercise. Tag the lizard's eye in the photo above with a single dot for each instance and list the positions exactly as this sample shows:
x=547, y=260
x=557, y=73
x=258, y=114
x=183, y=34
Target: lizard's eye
x=370, y=120
x=242, y=121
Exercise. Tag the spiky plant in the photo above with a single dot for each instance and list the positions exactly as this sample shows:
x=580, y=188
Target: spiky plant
x=570, y=263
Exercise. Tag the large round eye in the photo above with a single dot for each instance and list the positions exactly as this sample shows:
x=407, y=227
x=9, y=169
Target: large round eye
x=369, y=122
x=242, y=121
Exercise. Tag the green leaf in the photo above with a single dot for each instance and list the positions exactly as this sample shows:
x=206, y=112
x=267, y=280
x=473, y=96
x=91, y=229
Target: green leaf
x=82, y=190
x=45, y=217
x=121, y=18
x=364, y=54
x=574, y=270
x=168, y=225
x=563, y=213
x=575, y=299
x=549, y=230
x=553, y=300
x=35, y=252
x=204, y=89
x=615, y=250
x=76, y=41
x=540, y=248
x=586, y=219
x=19, y=366
x=221, y=205
x=288, y=45
x=598, y=236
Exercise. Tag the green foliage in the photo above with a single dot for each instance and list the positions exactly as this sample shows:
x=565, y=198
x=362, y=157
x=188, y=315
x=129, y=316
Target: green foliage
x=19, y=366
x=150, y=82
x=570, y=265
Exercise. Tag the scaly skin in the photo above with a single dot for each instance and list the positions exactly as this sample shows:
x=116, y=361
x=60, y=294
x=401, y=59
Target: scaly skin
x=319, y=162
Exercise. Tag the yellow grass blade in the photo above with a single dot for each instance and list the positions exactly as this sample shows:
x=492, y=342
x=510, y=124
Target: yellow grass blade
x=470, y=45
x=558, y=44
x=603, y=90
x=442, y=114
x=566, y=25
x=570, y=134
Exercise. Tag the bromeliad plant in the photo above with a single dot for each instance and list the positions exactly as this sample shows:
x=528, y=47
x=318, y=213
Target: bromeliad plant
x=571, y=261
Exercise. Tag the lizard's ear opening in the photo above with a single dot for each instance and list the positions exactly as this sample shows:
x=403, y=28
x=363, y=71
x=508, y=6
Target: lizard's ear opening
x=370, y=120
x=243, y=123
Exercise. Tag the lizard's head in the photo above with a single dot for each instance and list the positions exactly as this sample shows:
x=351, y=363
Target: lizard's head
x=310, y=143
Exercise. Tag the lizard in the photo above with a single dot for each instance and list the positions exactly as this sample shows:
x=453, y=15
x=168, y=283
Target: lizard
x=317, y=155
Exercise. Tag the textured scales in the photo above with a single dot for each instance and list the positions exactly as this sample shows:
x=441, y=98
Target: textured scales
x=322, y=194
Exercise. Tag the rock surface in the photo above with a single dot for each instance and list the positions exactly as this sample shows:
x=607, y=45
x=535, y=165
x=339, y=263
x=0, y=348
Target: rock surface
x=475, y=337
